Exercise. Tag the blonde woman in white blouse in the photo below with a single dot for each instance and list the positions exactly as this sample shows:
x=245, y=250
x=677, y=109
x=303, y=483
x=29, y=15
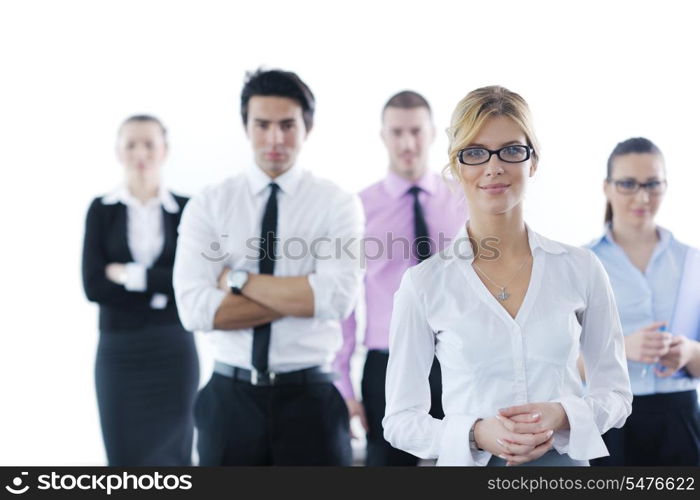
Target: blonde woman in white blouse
x=507, y=313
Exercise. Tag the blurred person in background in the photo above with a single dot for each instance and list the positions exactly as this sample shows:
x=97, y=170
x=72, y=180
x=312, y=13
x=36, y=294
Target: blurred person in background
x=410, y=214
x=656, y=281
x=146, y=370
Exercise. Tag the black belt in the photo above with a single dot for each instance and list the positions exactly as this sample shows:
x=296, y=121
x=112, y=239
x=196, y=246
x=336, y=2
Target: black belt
x=313, y=375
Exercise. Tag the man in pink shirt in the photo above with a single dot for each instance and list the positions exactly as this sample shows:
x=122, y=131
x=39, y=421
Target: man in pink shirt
x=410, y=214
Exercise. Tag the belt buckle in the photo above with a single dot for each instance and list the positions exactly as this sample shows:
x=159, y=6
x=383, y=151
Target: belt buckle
x=261, y=378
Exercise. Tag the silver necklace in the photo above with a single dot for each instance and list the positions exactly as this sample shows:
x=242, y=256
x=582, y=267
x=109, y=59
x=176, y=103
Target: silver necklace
x=503, y=295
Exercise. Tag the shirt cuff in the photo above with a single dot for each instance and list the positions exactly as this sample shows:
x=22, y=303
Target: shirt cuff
x=322, y=298
x=454, y=443
x=159, y=301
x=213, y=301
x=582, y=441
x=135, y=277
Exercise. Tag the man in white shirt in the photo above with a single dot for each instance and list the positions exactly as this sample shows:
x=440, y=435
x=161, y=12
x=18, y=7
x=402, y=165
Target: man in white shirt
x=268, y=264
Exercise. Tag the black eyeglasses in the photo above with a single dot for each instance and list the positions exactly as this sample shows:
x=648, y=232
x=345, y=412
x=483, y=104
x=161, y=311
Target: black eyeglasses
x=515, y=153
x=631, y=186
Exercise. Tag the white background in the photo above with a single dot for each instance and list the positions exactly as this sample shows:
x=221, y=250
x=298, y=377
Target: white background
x=594, y=73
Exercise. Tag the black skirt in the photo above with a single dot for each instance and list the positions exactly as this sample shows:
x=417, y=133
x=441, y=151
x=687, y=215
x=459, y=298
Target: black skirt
x=146, y=381
x=663, y=429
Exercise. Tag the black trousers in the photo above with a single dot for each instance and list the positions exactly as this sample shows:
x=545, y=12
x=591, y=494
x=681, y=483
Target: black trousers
x=663, y=429
x=146, y=381
x=242, y=424
x=379, y=451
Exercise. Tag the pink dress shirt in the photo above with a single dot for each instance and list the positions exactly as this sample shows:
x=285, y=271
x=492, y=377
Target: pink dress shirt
x=389, y=234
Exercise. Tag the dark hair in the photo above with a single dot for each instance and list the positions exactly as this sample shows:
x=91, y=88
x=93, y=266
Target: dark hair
x=638, y=145
x=407, y=99
x=145, y=119
x=278, y=83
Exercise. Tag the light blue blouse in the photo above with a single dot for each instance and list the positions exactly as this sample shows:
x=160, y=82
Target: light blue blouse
x=644, y=298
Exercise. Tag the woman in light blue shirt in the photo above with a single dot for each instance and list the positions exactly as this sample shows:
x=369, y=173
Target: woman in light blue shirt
x=653, y=276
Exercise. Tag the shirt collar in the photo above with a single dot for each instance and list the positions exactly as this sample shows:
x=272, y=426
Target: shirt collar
x=462, y=247
x=665, y=238
x=536, y=240
x=122, y=195
x=288, y=182
x=599, y=240
x=397, y=186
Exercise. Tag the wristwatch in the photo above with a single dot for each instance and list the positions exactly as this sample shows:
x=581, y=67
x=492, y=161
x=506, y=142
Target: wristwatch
x=472, y=439
x=237, y=280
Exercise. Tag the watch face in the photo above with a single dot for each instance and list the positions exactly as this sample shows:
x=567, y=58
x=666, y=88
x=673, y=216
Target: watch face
x=237, y=279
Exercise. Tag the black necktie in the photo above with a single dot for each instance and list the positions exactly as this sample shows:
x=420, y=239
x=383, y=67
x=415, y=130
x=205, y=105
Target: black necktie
x=261, y=333
x=421, y=245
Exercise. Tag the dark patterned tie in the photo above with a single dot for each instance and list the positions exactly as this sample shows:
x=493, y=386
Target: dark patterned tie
x=261, y=333
x=421, y=245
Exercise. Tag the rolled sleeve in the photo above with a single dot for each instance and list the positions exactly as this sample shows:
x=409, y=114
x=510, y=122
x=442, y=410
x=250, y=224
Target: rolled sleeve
x=336, y=280
x=608, y=401
x=195, y=277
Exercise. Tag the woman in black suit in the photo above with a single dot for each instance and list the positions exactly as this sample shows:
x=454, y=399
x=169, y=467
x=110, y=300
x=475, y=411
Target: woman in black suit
x=146, y=370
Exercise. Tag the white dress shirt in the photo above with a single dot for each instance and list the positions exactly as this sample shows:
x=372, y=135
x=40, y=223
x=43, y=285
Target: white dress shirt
x=490, y=360
x=221, y=228
x=145, y=235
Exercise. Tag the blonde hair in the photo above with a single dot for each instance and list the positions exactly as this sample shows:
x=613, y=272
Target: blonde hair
x=475, y=109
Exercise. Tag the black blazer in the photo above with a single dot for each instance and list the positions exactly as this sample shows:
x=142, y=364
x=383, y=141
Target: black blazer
x=106, y=242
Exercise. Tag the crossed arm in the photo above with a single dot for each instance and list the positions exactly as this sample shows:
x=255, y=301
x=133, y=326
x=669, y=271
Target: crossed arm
x=205, y=302
x=264, y=298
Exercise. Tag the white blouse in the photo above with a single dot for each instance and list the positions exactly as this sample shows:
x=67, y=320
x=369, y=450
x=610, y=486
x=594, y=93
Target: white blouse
x=145, y=235
x=490, y=360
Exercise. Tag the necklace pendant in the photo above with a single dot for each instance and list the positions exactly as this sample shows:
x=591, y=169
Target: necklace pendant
x=503, y=295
